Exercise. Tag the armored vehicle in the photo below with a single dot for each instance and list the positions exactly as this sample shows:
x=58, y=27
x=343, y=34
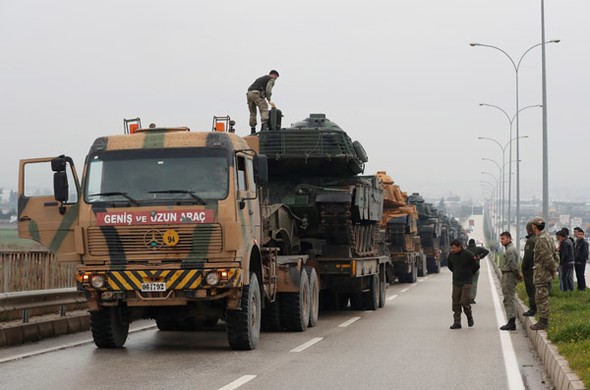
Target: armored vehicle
x=430, y=232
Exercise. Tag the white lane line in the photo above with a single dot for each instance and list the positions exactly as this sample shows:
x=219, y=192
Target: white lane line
x=345, y=324
x=413, y=284
x=391, y=298
x=420, y=280
x=405, y=289
x=304, y=346
x=63, y=346
x=238, y=382
x=510, y=363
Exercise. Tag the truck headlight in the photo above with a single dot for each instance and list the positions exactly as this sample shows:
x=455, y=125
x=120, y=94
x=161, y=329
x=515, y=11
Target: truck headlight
x=97, y=281
x=212, y=278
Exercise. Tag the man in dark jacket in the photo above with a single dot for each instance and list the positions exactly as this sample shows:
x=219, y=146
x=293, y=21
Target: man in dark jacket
x=580, y=257
x=528, y=261
x=463, y=265
x=258, y=93
x=566, y=261
x=479, y=252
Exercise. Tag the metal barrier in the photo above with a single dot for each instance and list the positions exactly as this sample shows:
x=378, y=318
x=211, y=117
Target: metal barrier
x=27, y=303
x=33, y=270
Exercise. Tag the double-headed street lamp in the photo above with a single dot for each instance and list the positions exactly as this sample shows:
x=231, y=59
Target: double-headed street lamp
x=516, y=66
x=503, y=182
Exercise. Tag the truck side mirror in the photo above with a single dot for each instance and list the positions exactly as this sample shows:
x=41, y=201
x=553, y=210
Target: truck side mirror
x=260, y=169
x=60, y=186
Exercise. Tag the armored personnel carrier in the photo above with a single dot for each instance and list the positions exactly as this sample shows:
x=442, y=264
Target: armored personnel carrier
x=430, y=232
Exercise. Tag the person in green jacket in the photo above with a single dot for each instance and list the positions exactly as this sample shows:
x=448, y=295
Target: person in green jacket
x=480, y=252
x=510, y=277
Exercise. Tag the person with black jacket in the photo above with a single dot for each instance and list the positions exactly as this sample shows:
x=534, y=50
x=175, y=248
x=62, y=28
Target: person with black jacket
x=580, y=257
x=463, y=264
x=528, y=261
x=566, y=261
x=480, y=252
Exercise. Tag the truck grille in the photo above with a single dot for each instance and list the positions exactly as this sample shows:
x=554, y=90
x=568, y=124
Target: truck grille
x=149, y=240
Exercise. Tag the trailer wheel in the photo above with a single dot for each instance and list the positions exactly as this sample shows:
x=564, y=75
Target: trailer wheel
x=110, y=326
x=382, y=287
x=295, y=306
x=314, y=302
x=371, y=297
x=243, y=326
x=271, y=316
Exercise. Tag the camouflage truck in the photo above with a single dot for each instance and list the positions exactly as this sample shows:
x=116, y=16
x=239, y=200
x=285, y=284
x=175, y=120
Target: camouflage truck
x=315, y=169
x=399, y=231
x=430, y=232
x=172, y=225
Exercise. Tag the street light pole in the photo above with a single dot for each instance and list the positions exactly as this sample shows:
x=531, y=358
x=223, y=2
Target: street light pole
x=545, y=148
x=498, y=189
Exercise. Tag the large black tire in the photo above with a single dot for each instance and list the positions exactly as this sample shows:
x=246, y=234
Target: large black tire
x=433, y=266
x=314, y=301
x=295, y=306
x=371, y=297
x=110, y=326
x=421, y=265
x=382, y=287
x=243, y=326
x=271, y=316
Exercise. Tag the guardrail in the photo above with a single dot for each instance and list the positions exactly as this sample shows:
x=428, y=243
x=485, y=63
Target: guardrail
x=33, y=270
x=30, y=303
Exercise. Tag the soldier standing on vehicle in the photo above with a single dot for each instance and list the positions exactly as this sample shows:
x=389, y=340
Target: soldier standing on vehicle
x=258, y=93
x=544, y=271
x=463, y=265
x=580, y=257
x=510, y=277
x=479, y=252
x=527, y=270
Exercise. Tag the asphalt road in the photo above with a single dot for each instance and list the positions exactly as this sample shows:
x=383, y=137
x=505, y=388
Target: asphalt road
x=405, y=345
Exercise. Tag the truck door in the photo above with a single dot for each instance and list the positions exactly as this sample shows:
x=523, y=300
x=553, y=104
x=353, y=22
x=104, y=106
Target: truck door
x=43, y=218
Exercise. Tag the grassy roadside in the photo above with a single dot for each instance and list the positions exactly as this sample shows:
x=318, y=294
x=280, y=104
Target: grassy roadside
x=569, y=326
x=9, y=241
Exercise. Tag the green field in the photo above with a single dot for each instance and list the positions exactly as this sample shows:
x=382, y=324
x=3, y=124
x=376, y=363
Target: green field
x=9, y=241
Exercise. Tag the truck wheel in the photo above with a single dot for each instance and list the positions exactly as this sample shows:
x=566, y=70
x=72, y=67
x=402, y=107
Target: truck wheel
x=414, y=274
x=314, y=301
x=110, y=327
x=243, y=326
x=295, y=306
x=271, y=316
x=382, y=291
x=421, y=266
x=371, y=297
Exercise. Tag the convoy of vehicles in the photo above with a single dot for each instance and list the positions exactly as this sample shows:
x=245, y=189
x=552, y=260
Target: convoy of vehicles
x=188, y=228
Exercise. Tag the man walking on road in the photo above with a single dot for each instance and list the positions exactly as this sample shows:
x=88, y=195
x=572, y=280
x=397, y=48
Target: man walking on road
x=545, y=267
x=260, y=90
x=463, y=265
x=479, y=252
x=580, y=257
x=510, y=277
x=527, y=270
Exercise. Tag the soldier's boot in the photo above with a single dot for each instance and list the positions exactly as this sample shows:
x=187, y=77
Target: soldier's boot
x=470, y=321
x=510, y=325
x=252, y=130
x=455, y=326
x=542, y=324
x=529, y=313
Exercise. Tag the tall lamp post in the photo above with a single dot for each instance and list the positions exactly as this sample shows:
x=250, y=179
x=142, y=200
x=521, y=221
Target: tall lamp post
x=498, y=197
x=503, y=182
x=516, y=66
x=486, y=185
x=510, y=122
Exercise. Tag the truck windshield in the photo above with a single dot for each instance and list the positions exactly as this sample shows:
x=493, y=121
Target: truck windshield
x=157, y=175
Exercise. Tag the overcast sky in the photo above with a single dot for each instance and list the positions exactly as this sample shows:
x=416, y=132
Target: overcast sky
x=399, y=76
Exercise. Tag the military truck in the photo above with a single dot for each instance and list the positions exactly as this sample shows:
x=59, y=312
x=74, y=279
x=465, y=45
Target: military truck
x=430, y=232
x=186, y=228
x=173, y=225
x=315, y=170
x=399, y=231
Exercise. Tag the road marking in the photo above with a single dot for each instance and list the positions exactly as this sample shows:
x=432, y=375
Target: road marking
x=64, y=346
x=238, y=382
x=510, y=363
x=391, y=298
x=405, y=289
x=308, y=344
x=413, y=284
x=420, y=280
x=345, y=324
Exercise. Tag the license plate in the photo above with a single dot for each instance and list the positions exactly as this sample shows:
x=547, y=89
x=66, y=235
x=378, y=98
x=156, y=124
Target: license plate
x=153, y=287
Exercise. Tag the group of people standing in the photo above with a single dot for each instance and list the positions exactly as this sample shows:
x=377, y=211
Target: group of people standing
x=540, y=262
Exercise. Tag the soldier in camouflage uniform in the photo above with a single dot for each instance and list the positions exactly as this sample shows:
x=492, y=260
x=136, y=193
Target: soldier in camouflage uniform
x=510, y=277
x=260, y=90
x=527, y=269
x=544, y=271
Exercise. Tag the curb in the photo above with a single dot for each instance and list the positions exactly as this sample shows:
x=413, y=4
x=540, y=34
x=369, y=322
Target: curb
x=558, y=369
